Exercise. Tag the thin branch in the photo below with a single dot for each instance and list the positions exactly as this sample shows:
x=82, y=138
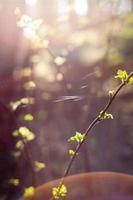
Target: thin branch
x=91, y=126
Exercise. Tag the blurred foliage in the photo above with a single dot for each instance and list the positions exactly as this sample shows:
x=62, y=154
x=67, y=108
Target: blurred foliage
x=56, y=68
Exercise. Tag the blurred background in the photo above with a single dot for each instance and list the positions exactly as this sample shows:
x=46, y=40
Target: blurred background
x=58, y=59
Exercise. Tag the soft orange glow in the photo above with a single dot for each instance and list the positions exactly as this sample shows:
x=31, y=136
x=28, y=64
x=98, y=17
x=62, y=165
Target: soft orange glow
x=97, y=185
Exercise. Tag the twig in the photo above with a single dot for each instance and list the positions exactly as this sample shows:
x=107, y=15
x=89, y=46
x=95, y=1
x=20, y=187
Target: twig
x=92, y=125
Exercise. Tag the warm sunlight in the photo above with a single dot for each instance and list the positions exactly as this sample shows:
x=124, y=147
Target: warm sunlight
x=81, y=7
x=66, y=101
x=29, y=33
x=63, y=7
x=43, y=69
x=31, y=2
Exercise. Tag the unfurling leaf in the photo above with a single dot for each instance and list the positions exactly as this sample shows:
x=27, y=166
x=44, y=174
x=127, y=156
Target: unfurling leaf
x=39, y=165
x=122, y=75
x=59, y=192
x=71, y=152
x=20, y=144
x=78, y=137
x=105, y=115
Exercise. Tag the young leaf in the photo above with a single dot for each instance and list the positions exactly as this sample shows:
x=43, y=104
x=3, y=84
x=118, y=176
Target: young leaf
x=28, y=117
x=15, y=133
x=29, y=191
x=14, y=181
x=26, y=133
x=105, y=115
x=39, y=165
x=19, y=145
x=15, y=104
x=59, y=192
x=78, y=137
x=122, y=75
x=27, y=100
x=130, y=80
x=71, y=152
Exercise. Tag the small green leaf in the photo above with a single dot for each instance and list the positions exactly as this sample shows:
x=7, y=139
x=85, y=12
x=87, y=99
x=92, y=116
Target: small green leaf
x=71, y=152
x=78, y=137
x=15, y=133
x=15, y=104
x=29, y=191
x=59, y=192
x=20, y=144
x=27, y=100
x=122, y=75
x=28, y=117
x=26, y=133
x=130, y=80
x=14, y=181
x=39, y=165
x=105, y=115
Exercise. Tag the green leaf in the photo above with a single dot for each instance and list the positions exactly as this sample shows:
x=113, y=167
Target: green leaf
x=122, y=75
x=15, y=133
x=78, y=137
x=28, y=117
x=71, y=152
x=15, y=104
x=27, y=100
x=59, y=192
x=39, y=165
x=105, y=115
x=29, y=191
x=14, y=181
x=130, y=80
x=26, y=133
x=20, y=144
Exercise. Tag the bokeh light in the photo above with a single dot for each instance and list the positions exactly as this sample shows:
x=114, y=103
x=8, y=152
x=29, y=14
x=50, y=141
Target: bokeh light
x=58, y=59
x=63, y=7
x=81, y=7
x=31, y=2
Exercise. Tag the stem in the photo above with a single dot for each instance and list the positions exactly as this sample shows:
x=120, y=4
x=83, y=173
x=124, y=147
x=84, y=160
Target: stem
x=92, y=125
